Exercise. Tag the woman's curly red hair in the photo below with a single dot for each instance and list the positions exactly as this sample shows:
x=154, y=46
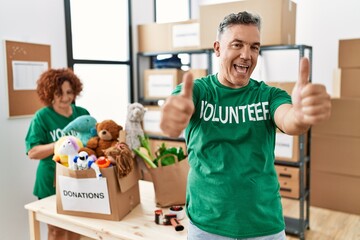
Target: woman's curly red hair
x=50, y=83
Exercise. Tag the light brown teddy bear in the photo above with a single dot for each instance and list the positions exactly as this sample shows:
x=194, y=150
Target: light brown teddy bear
x=107, y=136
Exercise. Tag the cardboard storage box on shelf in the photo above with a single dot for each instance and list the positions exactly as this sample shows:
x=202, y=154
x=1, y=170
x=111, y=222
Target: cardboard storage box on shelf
x=167, y=37
x=289, y=181
x=288, y=148
x=335, y=154
x=159, y=83
x=344, y=119
x=151, y=121
x=80, y=193
x=287, y=86
x=338, y=192
x=350, y=82
x=349, y=52
x=278, y=20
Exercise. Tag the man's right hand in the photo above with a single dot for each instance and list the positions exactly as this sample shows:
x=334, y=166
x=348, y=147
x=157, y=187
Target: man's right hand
x=178, y=109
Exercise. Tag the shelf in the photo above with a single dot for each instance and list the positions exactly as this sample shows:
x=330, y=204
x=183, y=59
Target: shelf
x=195, y=51
x=284, y=47
x=292, y=164
x=296, y=226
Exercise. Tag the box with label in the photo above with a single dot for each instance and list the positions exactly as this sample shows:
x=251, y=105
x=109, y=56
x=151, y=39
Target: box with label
x=278, y=20
x=159, y=83
x=151, y=121
x=349, y=52
x=167, y=37
x=80, y=193
x=288, y=148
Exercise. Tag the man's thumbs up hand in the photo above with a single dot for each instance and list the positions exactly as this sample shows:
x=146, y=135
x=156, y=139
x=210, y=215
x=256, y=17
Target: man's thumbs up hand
x=178, y=109
x=187, y=88
x=311, y=102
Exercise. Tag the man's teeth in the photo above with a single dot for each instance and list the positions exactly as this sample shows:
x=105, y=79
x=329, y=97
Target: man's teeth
x=241, y=68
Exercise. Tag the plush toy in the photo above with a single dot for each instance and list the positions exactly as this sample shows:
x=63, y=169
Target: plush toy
x=61, y=157
x=133, y=128
x=70, y=147
x=121, y=156
x=85, y=126
x=107, y=135
x=83, y=161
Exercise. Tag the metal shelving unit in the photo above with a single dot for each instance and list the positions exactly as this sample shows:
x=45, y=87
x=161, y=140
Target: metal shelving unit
x=298, y=226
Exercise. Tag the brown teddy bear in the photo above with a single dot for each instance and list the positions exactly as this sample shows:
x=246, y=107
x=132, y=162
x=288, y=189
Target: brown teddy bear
x=107, y=136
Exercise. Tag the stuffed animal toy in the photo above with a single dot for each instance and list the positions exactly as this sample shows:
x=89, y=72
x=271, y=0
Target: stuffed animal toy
x=85, y=126
x=59, y=156
x=107, y=135
x=83, y=161
x=133, y=127
x=70, y=147
x=121, y=156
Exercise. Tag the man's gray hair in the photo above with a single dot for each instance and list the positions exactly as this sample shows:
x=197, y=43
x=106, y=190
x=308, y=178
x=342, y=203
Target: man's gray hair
x=244, y=18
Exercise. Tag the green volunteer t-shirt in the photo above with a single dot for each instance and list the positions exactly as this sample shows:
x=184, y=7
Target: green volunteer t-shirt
x=233, y=188
x=45, y=127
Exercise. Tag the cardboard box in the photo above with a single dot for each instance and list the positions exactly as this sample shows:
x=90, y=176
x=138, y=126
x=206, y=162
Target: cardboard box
x=278, y=20
x=335, y=154
x=159, y=83
x=80, y=193
x=287, y=86
x=151, y=121
x=335, y=191
x=344, y=119
x=349, y=52
x=350, y=82
x=167, y=37
x=289, y=180
x=288, y=148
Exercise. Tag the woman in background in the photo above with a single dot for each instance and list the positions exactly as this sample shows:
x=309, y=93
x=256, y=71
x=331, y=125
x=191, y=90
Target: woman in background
x=57, y=89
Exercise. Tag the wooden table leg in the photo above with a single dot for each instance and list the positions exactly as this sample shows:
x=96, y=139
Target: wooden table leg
x=34, y=226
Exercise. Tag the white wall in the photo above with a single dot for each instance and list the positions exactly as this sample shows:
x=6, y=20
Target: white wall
x=37, y=21
x=320, y=24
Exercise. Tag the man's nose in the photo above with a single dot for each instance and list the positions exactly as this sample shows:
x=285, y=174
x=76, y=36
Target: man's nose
x=245, y=52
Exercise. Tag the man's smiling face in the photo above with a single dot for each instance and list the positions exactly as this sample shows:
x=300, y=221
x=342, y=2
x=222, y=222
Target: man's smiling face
x=238, y=50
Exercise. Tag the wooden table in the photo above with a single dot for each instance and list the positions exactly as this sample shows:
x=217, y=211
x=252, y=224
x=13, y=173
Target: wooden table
x=138, y=224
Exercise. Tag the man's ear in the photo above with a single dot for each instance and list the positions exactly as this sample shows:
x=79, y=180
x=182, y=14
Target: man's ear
x=217, y=48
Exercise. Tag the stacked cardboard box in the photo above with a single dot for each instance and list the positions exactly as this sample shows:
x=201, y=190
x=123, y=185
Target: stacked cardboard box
x=335, y=175
x=169, y=37
x=278, y=20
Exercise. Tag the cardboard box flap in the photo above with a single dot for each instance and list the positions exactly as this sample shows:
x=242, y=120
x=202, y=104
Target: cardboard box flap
x=130, y=180
x=65, y=171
